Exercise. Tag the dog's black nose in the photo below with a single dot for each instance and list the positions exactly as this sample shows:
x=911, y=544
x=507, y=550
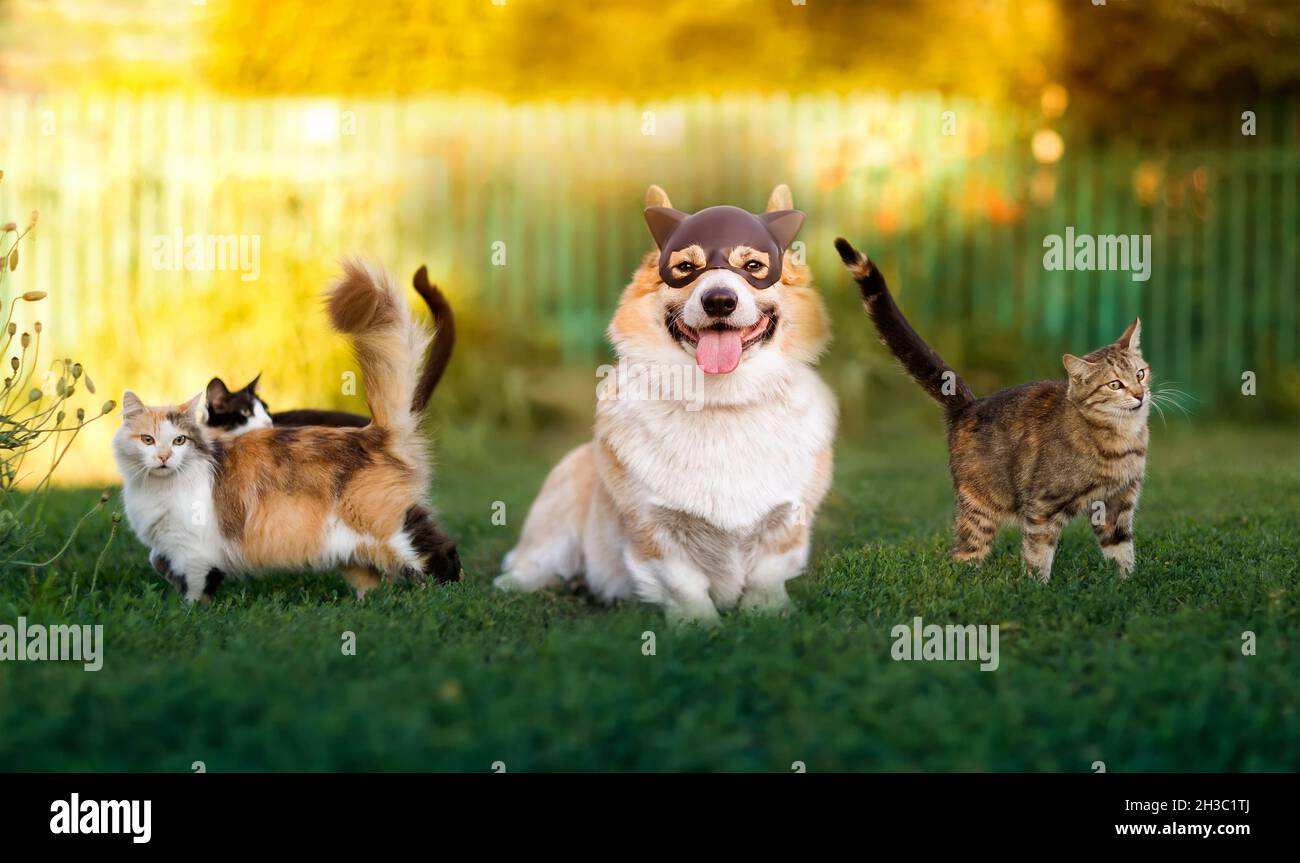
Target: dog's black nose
x=719, y=302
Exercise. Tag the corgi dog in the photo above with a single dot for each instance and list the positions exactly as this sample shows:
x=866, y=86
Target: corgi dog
x=703, y=503
x=295, y=498
x=232, y=412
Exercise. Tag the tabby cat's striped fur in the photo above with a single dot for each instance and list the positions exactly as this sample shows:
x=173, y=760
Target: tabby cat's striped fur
x=1037, y=454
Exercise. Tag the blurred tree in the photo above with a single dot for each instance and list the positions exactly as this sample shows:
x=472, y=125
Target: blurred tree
x=1177, y=69
x=531, y=48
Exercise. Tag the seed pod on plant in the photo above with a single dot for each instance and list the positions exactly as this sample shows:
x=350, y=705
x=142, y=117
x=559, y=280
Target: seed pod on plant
x=76, y=370
x=13, y=328
x=11, y=226
x=104, y=497
x=108, y=406
x=90, y=385
x=81, y=415
x=26, y=339
x=117, y=518
x=13, y=363
x=13, y=259
x=58, y=418
x=32, y=296
x=38, y=326
x=34, y=394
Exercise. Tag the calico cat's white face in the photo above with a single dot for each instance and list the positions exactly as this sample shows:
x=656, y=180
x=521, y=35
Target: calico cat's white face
x=157, y=442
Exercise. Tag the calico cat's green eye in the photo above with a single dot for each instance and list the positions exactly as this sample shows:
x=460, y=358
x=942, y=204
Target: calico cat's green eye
x=147, y=440
x=1115, y=385
x=246, y=412
x=180, y=440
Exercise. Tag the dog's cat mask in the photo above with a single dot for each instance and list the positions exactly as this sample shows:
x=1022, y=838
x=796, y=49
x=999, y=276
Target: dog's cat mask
x=718, y=232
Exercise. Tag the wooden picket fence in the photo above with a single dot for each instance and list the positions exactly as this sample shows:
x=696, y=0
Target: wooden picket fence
x=530, y=214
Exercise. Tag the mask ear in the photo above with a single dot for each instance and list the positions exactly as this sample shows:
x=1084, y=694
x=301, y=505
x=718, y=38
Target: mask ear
x=1132, y=337
x=780, y=199
x=783, y=225
x=131, y=405
x=252, y=385
x=662, y=221
x=218, y=392
x=1075, y=366
x=657, y=197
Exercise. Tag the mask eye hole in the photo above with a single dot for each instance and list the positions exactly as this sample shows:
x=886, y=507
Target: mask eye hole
x=1115, y=385
x=685, y=267
x=753, y=266
x=1142, y=374
x=180, y=440
x=147, y=440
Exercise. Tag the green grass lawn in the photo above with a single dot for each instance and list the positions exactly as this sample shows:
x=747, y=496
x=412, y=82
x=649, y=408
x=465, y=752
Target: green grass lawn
x=1146, y=674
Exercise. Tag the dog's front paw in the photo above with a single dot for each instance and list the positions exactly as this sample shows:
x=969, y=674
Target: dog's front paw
x=508, y=582
x=766, y=602
x=703, y=615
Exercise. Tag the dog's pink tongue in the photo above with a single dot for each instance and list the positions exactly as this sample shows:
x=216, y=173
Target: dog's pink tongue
x=718, y=351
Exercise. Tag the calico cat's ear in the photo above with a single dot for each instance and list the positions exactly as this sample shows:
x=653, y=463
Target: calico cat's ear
x=252, y=385
x=662, y=221
x=131, y=405
x=1132, y=337
x=195, y=407
x=218, y=392
x=1076, y=366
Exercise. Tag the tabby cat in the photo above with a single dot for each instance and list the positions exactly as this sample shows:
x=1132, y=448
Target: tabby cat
x=1037, y=454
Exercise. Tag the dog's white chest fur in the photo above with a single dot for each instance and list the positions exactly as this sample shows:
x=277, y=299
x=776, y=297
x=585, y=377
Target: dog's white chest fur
x=728, y=465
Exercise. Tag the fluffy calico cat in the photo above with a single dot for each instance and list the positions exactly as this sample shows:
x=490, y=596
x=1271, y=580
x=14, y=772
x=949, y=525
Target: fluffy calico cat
x=231, y=413
x=286, y=498
x=1036, y=454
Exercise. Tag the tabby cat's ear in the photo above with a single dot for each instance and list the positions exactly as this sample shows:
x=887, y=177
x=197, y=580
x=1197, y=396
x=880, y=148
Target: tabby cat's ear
x=1132, y=337
x=1076, y=366
x=131, y=405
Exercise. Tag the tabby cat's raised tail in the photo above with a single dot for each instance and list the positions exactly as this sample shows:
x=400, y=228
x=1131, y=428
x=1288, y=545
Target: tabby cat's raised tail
x=925, y=366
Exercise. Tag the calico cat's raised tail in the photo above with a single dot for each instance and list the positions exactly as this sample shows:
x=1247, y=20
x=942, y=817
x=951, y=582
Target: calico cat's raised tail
x=1038, y=454
x=313, y=497
x=232, y=412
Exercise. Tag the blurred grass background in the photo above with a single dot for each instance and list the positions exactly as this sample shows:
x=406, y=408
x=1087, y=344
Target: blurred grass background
x=508, y=147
